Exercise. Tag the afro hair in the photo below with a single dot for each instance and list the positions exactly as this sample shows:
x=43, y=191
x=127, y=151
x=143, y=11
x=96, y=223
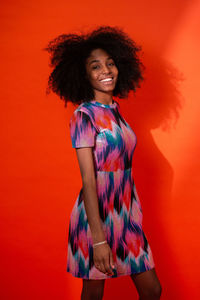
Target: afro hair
x=68, y=55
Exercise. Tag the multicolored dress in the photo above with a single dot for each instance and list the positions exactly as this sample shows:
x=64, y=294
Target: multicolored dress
x=103, y=128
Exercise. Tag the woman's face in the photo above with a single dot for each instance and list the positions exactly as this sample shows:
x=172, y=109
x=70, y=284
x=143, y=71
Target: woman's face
x=101, y=72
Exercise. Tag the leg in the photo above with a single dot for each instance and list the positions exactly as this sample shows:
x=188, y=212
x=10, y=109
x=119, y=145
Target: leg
x=92, y=289
x=147, y=285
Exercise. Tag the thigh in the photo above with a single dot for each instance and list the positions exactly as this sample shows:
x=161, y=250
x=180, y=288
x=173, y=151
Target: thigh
x=92, y=289
x=147, y=282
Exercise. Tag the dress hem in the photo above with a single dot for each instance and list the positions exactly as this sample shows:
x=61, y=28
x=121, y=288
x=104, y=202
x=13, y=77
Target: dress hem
x=111, y=277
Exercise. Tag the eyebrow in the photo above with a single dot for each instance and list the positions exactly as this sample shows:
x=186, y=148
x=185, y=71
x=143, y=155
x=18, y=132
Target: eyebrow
x=96, y=60
x=93, y=61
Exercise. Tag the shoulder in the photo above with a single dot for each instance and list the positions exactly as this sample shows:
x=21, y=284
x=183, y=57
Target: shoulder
x=85, y=107
x=85, y=112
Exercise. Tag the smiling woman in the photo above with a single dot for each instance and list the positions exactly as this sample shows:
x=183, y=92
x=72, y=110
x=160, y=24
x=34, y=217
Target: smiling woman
x=106, y=238
x=70, y=52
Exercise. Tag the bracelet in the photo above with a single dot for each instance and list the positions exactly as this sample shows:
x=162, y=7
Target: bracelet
x=100, y=243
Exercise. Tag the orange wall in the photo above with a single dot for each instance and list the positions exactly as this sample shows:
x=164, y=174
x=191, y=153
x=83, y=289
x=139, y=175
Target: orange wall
x=39, y=173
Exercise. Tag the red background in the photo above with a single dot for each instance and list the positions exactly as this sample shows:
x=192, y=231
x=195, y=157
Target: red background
x=40, y=178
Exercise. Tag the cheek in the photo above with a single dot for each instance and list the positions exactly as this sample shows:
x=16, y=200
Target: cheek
x=116, y=72
x=93, y=77
x=93, y=81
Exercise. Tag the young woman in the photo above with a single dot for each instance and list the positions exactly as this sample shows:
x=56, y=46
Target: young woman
x=106, y=239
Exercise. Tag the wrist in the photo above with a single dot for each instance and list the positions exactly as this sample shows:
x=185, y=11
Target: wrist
x=97, y=235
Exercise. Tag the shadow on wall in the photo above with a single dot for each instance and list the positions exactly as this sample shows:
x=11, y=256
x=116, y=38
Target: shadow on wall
x=157, y=104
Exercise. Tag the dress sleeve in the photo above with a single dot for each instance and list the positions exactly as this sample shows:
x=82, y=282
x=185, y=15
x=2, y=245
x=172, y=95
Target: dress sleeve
x=82, y=130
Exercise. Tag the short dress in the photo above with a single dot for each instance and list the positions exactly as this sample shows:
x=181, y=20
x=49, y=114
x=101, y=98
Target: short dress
x=103, y=128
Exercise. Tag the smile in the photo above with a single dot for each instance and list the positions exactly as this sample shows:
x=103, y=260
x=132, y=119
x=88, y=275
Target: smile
x=107, y=79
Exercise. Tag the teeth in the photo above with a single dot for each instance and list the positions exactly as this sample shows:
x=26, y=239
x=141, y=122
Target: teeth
x=107, y=79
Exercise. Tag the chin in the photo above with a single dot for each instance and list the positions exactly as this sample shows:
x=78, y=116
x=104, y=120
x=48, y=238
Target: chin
x=109, y=89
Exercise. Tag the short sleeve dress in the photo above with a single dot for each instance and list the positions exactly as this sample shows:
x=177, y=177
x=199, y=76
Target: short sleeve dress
x=103, y=128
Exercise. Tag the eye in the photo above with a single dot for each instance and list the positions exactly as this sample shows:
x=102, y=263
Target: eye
x=95, y=67
x=111, y=63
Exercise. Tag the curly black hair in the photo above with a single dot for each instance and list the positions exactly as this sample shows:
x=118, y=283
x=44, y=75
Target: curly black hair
x=68, y=55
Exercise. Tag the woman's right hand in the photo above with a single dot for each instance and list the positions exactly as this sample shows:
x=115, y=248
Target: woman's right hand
x=102, y=254
x=103, y=259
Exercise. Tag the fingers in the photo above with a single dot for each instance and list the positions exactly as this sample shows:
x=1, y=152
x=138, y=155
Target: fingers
x=108, y=268
x=104, y=263
x=104, y=267
x=100, y=267
x=111, y=260
x=108, y=263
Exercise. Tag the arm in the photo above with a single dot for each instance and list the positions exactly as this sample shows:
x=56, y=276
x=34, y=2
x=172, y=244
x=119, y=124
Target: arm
x=86, y=165
x=102, y=254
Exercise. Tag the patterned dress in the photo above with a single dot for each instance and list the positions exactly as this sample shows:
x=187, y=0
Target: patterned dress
x=102, y=127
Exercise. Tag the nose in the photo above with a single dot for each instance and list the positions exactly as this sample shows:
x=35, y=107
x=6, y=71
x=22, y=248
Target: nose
x=105, y=69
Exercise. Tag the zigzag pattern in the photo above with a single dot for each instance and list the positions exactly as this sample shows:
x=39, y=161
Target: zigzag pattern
x=103, y=128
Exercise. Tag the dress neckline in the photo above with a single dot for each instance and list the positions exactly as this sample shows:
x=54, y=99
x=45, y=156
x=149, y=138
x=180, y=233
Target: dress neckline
x=113, y=105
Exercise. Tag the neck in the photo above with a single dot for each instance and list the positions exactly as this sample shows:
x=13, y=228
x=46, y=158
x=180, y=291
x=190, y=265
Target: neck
x=104, y=98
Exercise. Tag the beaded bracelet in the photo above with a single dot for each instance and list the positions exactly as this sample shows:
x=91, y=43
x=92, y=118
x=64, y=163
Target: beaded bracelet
x=100, y=243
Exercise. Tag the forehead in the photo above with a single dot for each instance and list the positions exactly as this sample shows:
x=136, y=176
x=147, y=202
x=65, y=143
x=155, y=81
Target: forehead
x=98, y=54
